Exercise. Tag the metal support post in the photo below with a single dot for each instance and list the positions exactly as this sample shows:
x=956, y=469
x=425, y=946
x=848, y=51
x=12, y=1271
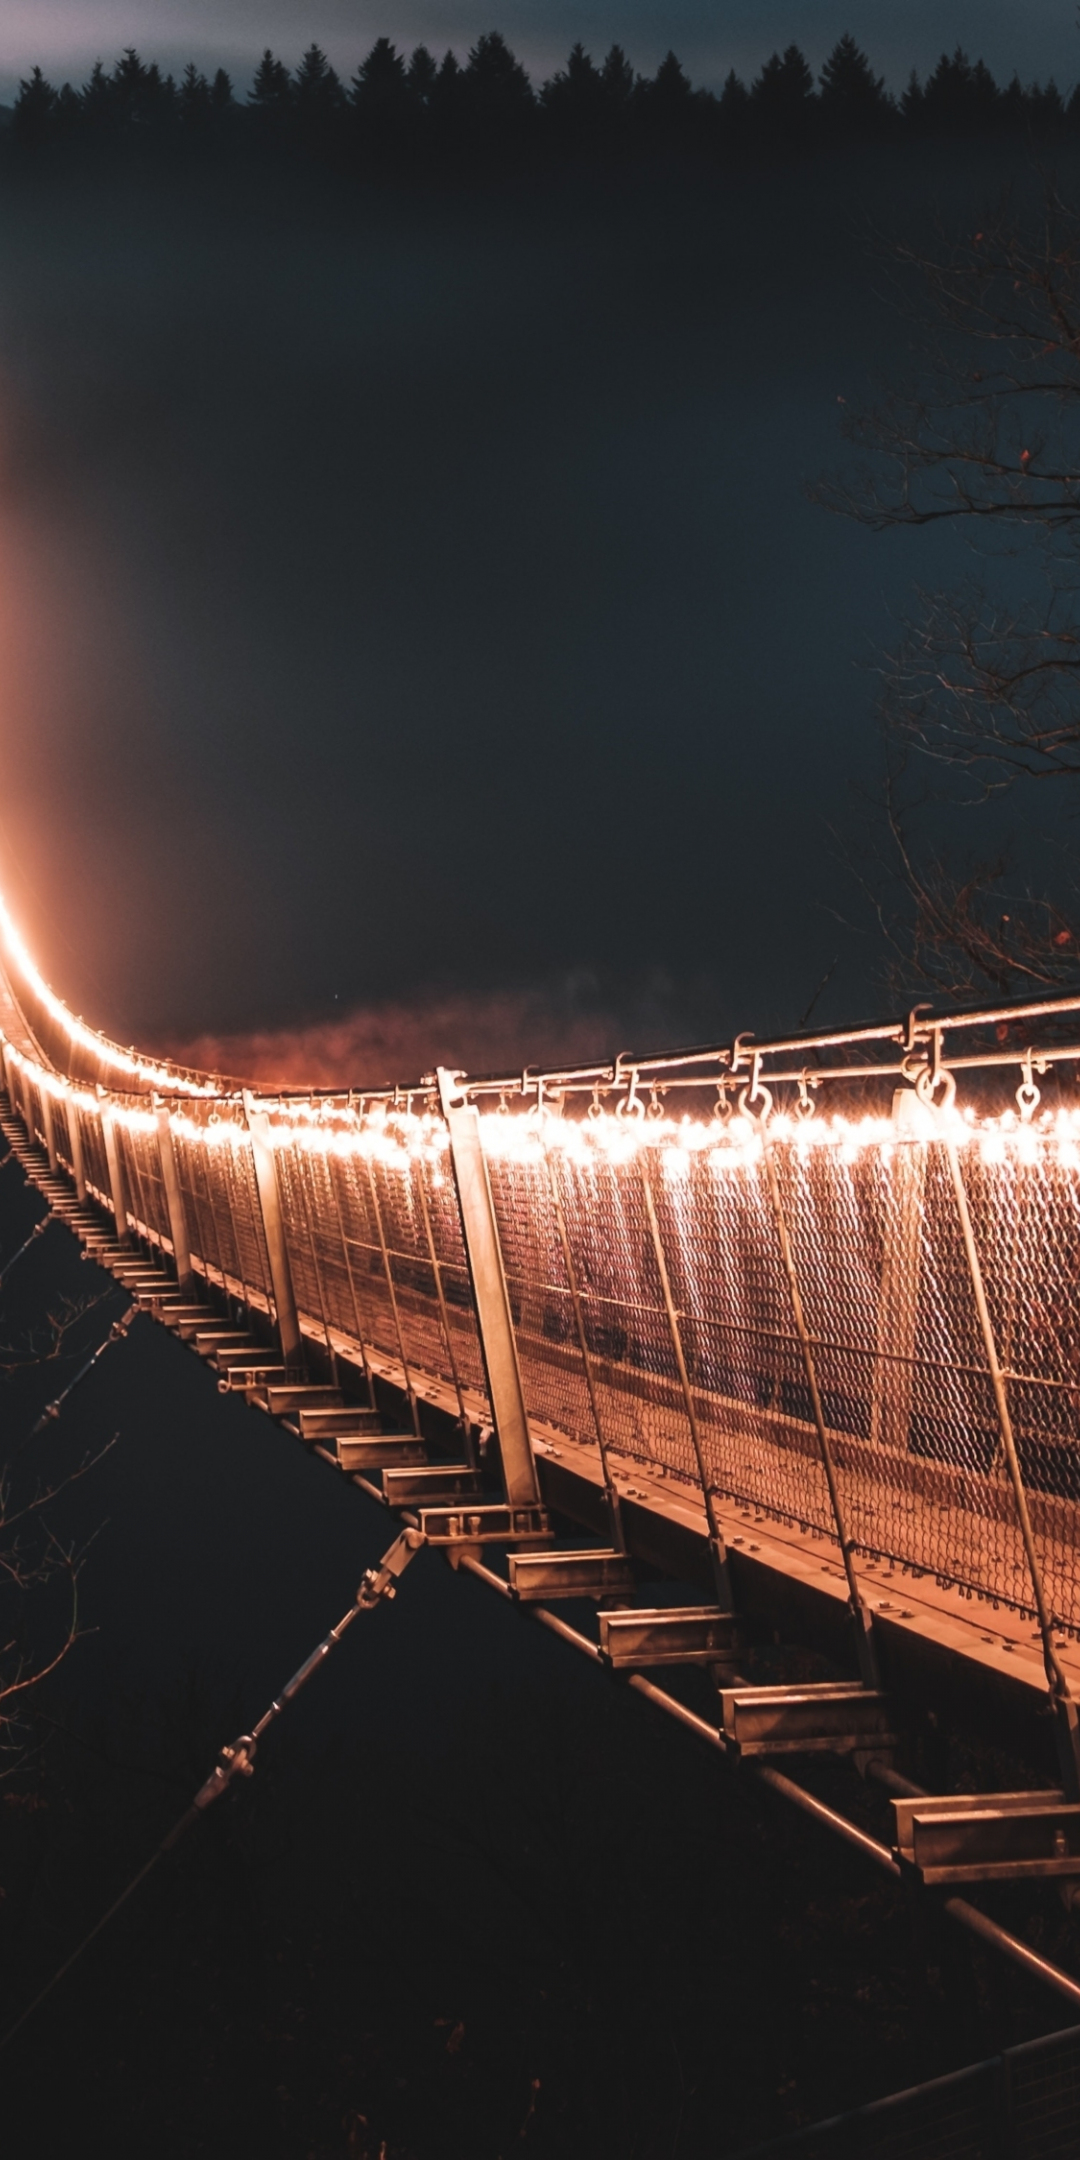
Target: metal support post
x=277, y=1252
x=174, y=1202
x=866, y=1650
x=78, y=1166
x=1064, y=1705
x=717, y=1546
x=614, y=1512
x=491, y=1297
x=117, y=1182
x=48, y=1126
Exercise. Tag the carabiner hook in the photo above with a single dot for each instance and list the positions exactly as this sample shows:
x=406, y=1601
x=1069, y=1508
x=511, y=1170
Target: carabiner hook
x=756, y=1092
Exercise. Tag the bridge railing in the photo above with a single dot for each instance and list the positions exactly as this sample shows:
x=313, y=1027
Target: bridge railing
x=853, y=1312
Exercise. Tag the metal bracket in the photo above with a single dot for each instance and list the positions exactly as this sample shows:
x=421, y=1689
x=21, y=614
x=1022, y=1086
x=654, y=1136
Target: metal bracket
x=484, y=1525
x=442, y=1481
x=569, y=1575
x=672, y=1635
x=338, y=1424
x=377, y=1451
x=987, y=1837
x=833, y=1718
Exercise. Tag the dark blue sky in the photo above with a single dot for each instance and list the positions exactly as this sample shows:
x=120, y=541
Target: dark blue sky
x=414, y=600
x=1034, y=37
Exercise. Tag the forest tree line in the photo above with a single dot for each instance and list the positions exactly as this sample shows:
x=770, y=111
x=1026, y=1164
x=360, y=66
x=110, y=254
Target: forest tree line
x=404, y=110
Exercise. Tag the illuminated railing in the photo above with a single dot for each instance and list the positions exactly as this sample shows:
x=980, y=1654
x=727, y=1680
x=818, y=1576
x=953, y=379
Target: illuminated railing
x=807, y=1270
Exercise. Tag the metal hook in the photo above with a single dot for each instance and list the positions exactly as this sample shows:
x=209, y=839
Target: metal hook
x=804, y=1108
x=912, y=1035
x=756, y=1092
x=1028, y=1096
x=927, y=1083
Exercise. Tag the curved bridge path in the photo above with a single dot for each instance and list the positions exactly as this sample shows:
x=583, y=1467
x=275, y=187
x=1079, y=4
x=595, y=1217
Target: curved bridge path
x=749, y=1344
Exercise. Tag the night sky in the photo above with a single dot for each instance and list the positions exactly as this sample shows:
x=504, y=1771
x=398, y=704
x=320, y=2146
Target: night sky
x=413, y=625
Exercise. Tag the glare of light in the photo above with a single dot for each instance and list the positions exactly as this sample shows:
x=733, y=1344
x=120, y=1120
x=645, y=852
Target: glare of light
x=145, y=1069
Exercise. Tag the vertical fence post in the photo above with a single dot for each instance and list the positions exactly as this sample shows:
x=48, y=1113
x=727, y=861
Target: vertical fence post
x=1064, y=1705
x=117, y=1182
x=48, y=1126
x=717, y=1546
x=277, y=1251
x=866, y=1649
x=174, y=1202
x=78, y=1166
x=490, y=1295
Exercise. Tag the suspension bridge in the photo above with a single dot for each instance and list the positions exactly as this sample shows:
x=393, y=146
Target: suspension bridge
x=756, y=1343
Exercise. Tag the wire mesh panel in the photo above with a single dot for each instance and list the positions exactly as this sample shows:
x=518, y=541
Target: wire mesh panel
x=61, y=1133
x=373, y=1235
x=96, y=1168
x=895, y=1346
x=136, y=1140
x=216, y=1177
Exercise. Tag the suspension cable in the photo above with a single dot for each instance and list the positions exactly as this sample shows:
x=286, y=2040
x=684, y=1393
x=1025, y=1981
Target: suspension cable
x=237, y=1759
x=117, y=1333
x=25, y=1246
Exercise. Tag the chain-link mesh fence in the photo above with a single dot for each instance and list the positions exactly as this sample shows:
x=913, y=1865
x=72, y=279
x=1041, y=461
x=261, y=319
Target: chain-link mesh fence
x=790, y=1288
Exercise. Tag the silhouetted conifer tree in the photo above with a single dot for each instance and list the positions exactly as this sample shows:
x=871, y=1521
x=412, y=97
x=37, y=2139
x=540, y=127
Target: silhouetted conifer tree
x=421, y=72
x=35, y=110
x=667, y=106
x=1046, y=110
x=782, y=98
x=854, y=101
x=382, y=98
x=497, y=102
x=445, y=101
x=912, y=105
x=271, y=93
x=318, y=97
x=617, y=77
x=575, y=102
x=402, y=108
x=195, y=103
x=959, y=99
